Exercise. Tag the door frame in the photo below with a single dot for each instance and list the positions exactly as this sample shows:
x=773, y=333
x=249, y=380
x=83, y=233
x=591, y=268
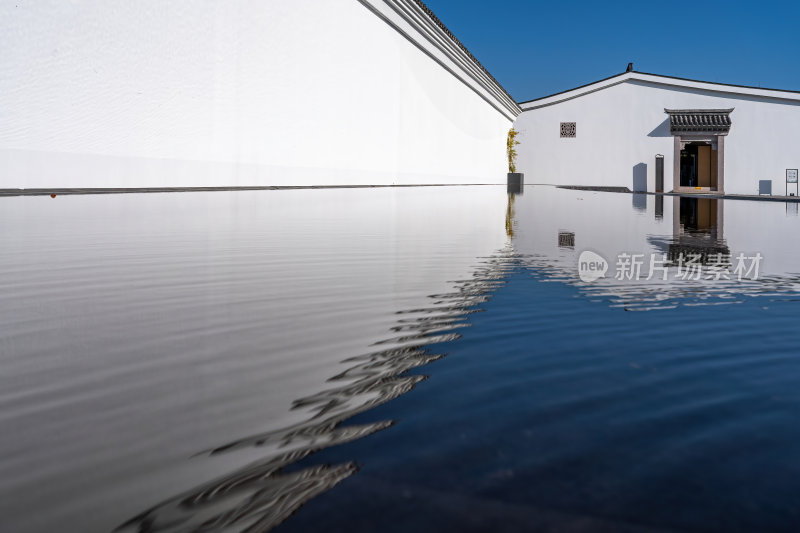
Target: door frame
x=679, y=142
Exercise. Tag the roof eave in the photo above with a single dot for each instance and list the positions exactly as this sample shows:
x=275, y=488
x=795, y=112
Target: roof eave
x=706, y=111
x=657, y=79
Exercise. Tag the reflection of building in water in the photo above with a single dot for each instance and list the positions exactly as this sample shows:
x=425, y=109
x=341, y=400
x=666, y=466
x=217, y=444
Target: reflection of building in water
x=566, y=239
x=699, y=215
x=510, y=215
x=260, y=496
x=639, y=202
x=659, y=210
x=697, y=230
x=608, y=225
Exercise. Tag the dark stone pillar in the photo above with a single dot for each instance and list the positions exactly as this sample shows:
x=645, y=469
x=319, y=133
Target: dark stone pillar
x=676, y=162
x=721, y=164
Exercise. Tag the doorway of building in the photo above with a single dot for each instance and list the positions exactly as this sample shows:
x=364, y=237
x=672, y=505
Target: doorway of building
x=698, y=163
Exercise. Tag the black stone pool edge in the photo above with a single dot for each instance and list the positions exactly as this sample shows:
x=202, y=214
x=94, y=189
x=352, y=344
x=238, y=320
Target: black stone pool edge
x=754, y=197
x=137, y=190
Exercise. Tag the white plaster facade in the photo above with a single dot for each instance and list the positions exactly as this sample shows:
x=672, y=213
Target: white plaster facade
x=621, y=126
x=242, y=93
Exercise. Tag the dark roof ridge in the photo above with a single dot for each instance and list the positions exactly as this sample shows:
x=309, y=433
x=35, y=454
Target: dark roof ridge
x=696, y=111
x=718, y=83
x=658, y=76
x=458, y=43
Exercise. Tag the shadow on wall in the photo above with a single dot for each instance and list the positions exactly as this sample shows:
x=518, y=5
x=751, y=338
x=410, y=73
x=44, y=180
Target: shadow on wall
x=662, y=130
x=639, y=177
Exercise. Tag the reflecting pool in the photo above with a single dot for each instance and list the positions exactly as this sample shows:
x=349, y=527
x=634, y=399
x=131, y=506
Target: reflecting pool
x=399, y=359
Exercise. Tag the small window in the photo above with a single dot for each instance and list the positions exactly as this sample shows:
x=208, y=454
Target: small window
x=568, y=129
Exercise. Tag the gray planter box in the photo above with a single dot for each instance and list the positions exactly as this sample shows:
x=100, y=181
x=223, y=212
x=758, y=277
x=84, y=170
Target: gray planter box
x=515, y=182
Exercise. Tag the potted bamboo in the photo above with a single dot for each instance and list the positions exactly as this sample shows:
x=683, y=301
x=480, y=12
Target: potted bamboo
x=515, y=179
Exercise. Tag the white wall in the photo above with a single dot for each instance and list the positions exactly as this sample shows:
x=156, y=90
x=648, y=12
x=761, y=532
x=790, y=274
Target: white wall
x=624, y=125
x=245, y=92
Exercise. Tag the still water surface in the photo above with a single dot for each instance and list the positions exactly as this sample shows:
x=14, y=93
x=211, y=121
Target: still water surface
x=362, y=360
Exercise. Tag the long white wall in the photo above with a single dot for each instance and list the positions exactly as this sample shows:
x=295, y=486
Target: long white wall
x=243, y=92
x=622, y=127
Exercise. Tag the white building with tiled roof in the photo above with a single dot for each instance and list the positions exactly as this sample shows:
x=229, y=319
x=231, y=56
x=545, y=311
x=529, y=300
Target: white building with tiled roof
x=618, y=132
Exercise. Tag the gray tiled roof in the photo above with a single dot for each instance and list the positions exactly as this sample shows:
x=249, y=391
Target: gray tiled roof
x=441, y=25
x=699, y=120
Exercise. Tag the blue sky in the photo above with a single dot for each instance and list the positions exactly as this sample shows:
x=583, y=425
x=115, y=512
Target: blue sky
x=538, y=48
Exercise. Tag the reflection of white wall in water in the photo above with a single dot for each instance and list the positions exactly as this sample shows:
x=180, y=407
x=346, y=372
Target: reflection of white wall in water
x=134, y=94
x=606, y=223
x=224, y=297
x=610, y=224
x=766, y=227
x=622, y=126
x=370, y=252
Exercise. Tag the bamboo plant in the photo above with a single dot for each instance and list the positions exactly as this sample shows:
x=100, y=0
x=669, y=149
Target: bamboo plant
x=511, y=142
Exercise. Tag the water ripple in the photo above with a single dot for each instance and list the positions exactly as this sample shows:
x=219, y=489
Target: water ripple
x=264, y=494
